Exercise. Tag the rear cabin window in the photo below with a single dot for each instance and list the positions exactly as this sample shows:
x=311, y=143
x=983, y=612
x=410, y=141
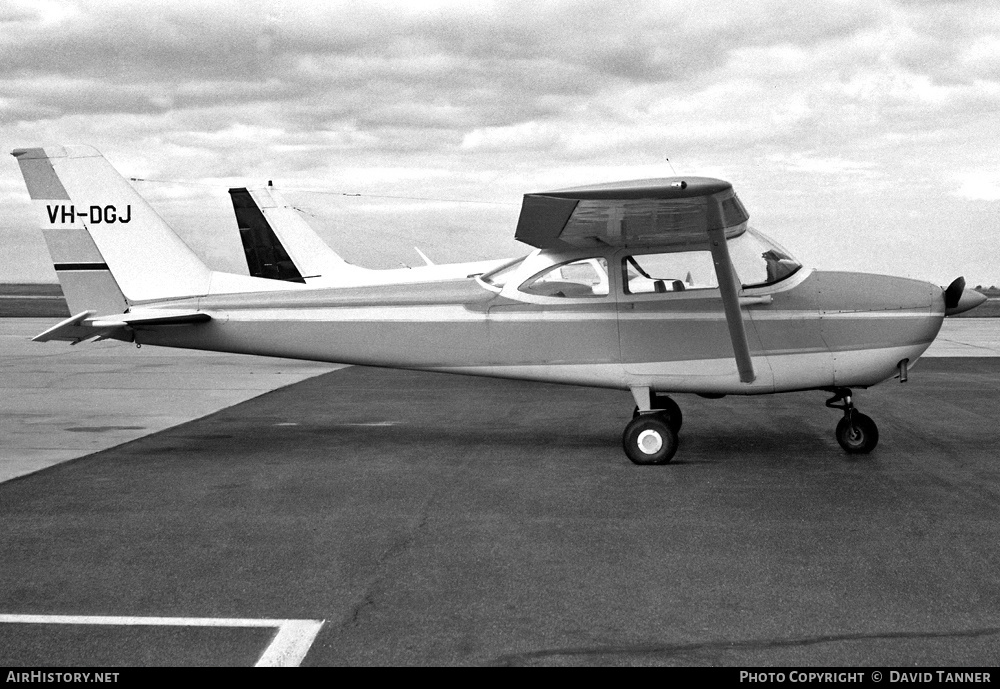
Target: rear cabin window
x=678, y=271
x=578, y=279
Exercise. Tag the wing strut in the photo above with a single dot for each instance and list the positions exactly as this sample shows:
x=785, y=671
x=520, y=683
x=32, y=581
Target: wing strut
x=731, y=302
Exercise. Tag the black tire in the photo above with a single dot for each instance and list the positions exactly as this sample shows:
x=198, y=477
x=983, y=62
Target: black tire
x=649, y=439
x=670, y=410
x=859, y=435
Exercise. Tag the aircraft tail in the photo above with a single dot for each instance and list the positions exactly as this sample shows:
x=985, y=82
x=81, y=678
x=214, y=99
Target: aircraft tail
x=109, y=247
x=280, y=245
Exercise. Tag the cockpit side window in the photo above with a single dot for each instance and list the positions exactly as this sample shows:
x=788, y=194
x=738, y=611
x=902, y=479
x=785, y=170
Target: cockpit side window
x=584, y=278
x=759, y=260
x=677, y=271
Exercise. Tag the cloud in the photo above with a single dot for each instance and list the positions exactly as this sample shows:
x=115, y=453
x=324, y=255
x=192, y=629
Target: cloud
x=801, y=163
x=520, y=136
x=981, y=185
x=493, y=99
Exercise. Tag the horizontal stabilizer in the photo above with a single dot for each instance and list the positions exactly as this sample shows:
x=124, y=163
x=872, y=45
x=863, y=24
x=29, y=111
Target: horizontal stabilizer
x=69, y=329
x=151, y=318
x=84, y=326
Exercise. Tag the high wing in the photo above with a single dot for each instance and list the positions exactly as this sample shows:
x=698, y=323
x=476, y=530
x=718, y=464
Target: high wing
x=645, y=212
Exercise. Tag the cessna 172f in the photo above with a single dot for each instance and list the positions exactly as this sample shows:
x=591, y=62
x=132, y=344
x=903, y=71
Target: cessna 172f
x=280, y=245
x=653, y=286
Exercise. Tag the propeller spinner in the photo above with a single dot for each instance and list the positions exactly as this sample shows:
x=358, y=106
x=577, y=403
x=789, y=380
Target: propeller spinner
x=957, y=299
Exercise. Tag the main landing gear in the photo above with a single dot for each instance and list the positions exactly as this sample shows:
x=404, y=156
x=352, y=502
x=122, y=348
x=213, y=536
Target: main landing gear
x=651, y=436
x=856, y=433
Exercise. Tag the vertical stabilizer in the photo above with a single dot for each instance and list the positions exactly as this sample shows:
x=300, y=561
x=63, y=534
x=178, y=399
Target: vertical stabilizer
x=109, y=246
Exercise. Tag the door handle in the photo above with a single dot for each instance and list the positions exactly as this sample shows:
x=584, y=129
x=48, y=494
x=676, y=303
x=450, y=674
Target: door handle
x=751, y=301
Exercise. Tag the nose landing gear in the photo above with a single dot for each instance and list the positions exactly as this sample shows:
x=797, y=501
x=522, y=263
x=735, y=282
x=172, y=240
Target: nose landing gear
x=856, y=432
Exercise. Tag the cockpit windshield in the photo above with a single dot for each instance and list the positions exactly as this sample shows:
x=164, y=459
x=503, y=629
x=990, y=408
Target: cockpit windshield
x=759, y=260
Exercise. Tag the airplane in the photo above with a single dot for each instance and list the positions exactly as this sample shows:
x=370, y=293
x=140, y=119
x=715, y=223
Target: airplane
x=279, y=245
x=657, y=287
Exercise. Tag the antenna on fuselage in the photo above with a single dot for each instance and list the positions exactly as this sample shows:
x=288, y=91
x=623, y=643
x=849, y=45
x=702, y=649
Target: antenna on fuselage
x=671, y=167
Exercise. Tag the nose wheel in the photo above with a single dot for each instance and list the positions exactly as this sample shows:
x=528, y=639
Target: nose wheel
x=856, y=432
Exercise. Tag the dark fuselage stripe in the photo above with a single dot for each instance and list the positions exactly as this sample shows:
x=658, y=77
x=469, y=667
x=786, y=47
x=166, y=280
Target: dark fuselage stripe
x=81, y=266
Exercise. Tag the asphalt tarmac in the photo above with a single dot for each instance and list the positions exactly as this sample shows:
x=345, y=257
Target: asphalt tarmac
x=58, y=401
x=429, y=519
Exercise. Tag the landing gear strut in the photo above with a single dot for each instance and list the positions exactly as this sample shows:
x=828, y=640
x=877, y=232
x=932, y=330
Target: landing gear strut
x=667, y=408
x=856, y=433
x=651, y=436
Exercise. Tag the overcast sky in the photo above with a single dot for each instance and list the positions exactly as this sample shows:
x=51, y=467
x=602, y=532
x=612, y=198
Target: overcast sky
x=863, y=135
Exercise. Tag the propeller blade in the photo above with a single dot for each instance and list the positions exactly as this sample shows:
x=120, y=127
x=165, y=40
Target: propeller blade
x=957, y=299
x=954, y=292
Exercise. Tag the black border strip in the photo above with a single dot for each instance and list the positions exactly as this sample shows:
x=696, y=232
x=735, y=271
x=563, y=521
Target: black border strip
x=81, y=266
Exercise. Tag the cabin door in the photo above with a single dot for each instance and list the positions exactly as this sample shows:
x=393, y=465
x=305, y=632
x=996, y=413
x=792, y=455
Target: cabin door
x=672, y=324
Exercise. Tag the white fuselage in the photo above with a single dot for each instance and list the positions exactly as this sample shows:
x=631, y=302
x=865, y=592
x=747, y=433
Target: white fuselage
x=813, y=330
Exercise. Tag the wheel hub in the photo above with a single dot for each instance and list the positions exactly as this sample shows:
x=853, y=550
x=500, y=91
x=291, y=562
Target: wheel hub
x=649, y=442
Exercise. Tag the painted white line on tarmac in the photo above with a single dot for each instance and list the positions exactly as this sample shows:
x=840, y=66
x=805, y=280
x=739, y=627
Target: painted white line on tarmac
x=290, y=644
x=288, y=648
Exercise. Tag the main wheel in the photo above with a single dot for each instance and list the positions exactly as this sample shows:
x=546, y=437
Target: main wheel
x=649, y=439
x=857, y=434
